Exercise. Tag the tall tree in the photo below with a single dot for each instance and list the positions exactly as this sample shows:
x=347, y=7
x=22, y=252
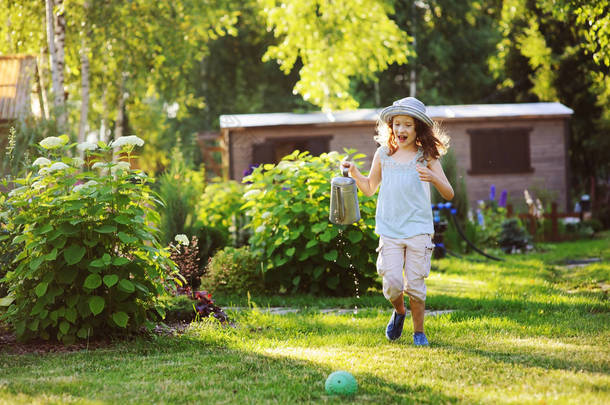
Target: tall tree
x=545, y=42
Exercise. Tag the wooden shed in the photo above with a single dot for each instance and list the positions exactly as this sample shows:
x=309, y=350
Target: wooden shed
x=512, y=146
x=18, y=75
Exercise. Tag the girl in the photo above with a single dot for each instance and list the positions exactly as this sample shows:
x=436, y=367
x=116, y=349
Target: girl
x=404, y=165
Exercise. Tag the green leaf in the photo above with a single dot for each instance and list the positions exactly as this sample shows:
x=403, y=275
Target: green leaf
x=107, y=259
x=354, y=236
x=6, y=301
x=326, y=236
x=70, y=315
x=41, y=288
x=64, y=327
x=122, y=219
x=92, y=281
x=45, y=229
x=111, y=279
x=120, y=261
x=74, y=254
x=96, y=304
x=33, y=326
x=331, y=256
x=332, y=282
x=106, y=229
x=290, y=251
x=120, y=318
x=311, y=243
x=296, y=280
x=83, y=333
x=52, y=255
x=20, y=238
x=35, y=263
x=89, y=242
x=99, y=263
x=127, y=286
x=126, y=238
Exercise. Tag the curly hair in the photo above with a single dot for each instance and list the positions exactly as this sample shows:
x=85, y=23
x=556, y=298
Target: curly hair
x=433, y=140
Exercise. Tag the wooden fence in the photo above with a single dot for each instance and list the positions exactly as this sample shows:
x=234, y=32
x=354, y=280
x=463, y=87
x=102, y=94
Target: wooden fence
x=531, y=221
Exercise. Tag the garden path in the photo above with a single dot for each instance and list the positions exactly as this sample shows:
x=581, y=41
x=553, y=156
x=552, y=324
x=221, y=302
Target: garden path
x=330, y=311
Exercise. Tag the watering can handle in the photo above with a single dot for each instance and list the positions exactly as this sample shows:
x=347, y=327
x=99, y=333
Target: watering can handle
x=345, y=171
x=340, y=208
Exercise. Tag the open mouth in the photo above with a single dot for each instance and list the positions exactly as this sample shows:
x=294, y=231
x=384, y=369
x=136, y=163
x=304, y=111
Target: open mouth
x=402, y=138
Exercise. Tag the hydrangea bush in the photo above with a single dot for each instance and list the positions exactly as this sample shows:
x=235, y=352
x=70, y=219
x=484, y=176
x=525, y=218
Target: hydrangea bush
x=89, y=260
x=302, y=251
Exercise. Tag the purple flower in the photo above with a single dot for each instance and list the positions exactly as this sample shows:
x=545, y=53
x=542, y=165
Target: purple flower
x=502, y=202
x=492, y=193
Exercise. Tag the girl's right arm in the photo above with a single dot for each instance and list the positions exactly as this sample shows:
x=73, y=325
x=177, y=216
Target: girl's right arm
x=368, y=185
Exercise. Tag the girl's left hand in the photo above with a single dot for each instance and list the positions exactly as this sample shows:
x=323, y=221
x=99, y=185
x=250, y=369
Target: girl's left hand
x=425, y=174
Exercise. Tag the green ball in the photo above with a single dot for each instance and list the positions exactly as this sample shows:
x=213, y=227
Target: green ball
x=341, y=383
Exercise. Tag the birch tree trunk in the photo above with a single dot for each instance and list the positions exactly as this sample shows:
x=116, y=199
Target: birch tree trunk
x=57, y=64
x=84, y=60
x=120, y=117
x=42, y=81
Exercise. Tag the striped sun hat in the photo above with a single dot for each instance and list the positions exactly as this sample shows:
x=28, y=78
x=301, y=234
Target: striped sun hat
x=406, y=106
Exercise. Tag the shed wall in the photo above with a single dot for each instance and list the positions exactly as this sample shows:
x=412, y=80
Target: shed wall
x=547, y=153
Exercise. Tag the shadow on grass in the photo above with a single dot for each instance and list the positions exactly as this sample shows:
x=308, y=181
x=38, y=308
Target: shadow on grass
x=185, y=370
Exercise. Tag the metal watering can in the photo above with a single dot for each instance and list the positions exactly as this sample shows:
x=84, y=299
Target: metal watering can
x=344, y=209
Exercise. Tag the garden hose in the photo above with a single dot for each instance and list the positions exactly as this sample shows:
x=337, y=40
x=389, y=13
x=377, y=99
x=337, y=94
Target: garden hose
x=459, y=229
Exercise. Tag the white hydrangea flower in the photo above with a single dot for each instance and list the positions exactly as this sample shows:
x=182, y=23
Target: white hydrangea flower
x=37, y=185
x=58, y=166
x=41, y=161
x=120, y=166
x=53, y=142
x=84, y=187
x=98, y=165
x=260, y=229
x=266, y=215
x=127, y=140
x=182, y=239
x=86, y=146
x=78, y=162
x=43, y=171
x=78, y=188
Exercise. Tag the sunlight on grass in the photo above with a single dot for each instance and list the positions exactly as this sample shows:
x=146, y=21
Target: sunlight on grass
x=518, y=333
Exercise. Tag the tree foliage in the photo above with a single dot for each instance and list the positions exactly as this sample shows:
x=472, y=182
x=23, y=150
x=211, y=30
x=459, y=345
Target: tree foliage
x=546, y=55
x=336, y=41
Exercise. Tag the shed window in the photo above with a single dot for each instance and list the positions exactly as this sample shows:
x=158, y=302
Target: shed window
x=273, y=150
x=500, y=150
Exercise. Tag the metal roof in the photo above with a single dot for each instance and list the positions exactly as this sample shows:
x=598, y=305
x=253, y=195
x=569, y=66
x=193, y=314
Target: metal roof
x=443, y=112
x=16, y=74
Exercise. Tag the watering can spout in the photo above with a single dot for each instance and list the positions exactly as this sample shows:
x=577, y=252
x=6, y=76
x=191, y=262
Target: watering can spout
x=344, y=209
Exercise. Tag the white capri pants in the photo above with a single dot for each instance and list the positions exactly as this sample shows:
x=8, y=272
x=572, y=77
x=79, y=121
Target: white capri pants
x=404, y=264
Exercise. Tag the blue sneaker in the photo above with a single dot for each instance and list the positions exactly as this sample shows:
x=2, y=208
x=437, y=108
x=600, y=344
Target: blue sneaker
x=394, y=329
x=419, y=339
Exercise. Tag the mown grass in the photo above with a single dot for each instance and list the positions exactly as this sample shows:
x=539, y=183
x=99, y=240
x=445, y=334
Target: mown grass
x=526, y=330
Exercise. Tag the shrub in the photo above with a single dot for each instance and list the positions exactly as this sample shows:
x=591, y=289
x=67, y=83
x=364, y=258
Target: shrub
x=234, y=270
x=186, y=257
x=220, y=208
x=301, y=249
x=513, y=237
x=210, y=240
x=8, y=252
x=90, y=258
x=179, y=189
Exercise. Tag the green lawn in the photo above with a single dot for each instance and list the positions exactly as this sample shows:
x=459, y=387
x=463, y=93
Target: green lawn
x=527, y=330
